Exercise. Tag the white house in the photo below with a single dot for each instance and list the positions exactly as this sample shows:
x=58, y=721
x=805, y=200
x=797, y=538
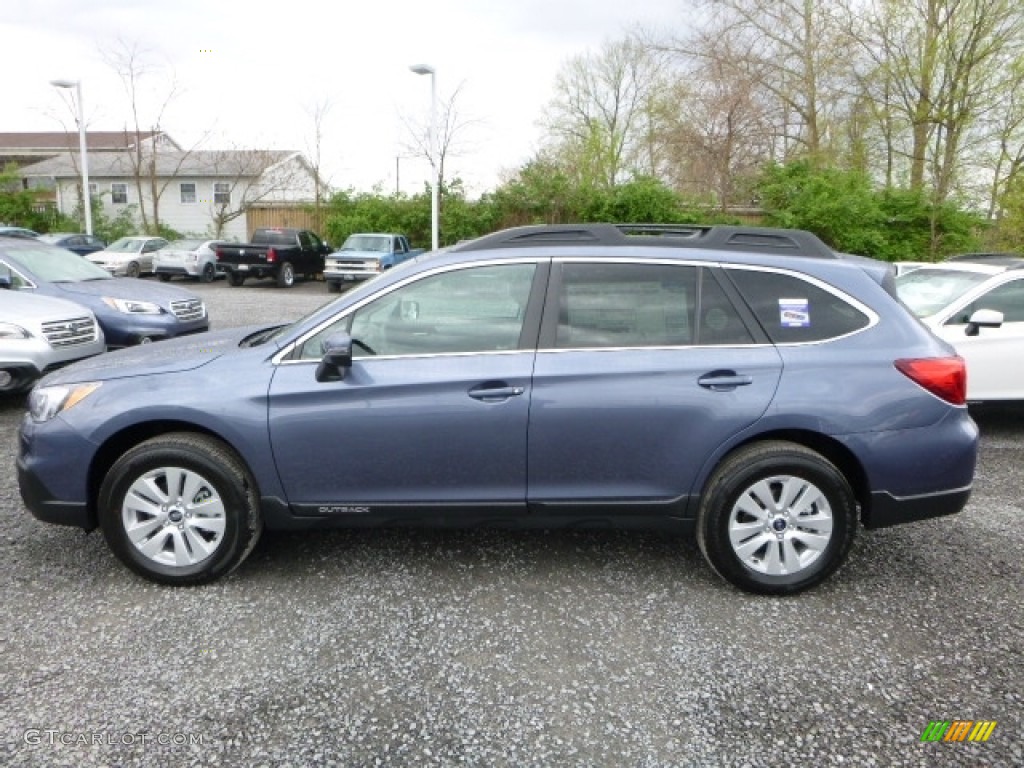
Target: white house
x=198, y=193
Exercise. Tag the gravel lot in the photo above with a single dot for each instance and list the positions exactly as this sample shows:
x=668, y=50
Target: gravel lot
x=512, y=649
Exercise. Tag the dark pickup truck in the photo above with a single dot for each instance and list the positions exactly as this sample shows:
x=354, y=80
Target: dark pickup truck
x=280, y=253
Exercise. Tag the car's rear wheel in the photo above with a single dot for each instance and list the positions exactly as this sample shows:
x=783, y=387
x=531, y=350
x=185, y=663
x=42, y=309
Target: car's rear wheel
x=208, y=274
x=235, y=279
x=164, y=277
x=286, y=275
x=133, y=269
x=776, y=518
x=180, y=509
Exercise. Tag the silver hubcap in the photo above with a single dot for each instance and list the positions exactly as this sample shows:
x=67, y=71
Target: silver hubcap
x=780, y=525
x=174, y=516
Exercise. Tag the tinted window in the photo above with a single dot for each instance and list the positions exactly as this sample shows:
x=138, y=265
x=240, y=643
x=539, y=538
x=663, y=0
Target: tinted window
x=626, y=305
x=478, y=309
x=793, y=310
x=1007, y=298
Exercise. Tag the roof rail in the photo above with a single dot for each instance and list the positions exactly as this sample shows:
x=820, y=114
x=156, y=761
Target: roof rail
x=794, y=242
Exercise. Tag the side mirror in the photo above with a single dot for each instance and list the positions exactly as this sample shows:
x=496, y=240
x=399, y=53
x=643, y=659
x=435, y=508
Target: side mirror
x=983, y=318
x=337, y=359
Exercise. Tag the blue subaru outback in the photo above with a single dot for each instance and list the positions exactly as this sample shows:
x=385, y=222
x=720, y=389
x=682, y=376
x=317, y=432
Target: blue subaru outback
x=748, y=387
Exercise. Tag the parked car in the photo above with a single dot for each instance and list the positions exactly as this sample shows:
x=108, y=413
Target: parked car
x=128, y=256
x=978, y=307
x=902, y=267
x=39, y=334
x=187, y=258
x=366, y=255
x=129, y=311
x=21, y=232
x=278, y=252
x=81, y=244
x=749, y=387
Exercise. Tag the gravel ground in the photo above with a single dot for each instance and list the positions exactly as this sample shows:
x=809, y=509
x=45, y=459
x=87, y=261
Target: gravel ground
x=362, y=648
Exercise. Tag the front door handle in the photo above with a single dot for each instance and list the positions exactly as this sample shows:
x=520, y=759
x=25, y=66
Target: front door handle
x=724, y=381
x=495, y=394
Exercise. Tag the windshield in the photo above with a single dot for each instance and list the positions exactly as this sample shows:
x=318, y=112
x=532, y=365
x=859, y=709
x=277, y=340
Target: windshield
x=126, y=245
x=927, y=291
x=56, y=265
x=367, y=243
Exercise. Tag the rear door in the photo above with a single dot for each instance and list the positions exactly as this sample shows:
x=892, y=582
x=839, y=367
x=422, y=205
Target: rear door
x=644, y=370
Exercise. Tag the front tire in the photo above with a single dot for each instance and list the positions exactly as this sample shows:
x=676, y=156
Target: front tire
x=286, y=275
x=776, y=518
x=180, y=509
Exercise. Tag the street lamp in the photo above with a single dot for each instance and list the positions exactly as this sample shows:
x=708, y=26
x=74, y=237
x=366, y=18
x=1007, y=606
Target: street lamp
x=426, y=69
x=86, y=197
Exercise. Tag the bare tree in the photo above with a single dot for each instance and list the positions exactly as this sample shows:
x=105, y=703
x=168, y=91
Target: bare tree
x=244, y=178
x=602, y=118
x=318, y=112
x=144, y=136
x=452, y=129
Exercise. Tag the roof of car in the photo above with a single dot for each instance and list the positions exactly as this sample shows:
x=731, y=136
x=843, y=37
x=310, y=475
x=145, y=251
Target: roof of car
x=1007, y=260
x=790, y=242
x=984, y=268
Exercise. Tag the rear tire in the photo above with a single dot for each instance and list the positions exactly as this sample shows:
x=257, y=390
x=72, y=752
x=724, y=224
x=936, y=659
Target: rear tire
x=208, y=274
x=333, y=287
x=235, y=279
x=180, y=509
x=776, y=518
x=286, y=275
x=164, y=278
x=133, y=269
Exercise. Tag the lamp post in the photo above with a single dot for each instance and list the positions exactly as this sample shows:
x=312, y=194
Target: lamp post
x=426, y=69
x=86, y=197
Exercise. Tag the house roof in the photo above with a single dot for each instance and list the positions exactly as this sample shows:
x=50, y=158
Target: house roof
x=61, y=141
x=206, y=163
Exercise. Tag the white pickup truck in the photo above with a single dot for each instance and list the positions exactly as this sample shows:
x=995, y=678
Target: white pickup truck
x=366, y=255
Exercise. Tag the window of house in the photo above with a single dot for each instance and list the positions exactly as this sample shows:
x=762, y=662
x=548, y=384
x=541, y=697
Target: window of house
x=188, y=192
x=119, y=194
x=222, y=193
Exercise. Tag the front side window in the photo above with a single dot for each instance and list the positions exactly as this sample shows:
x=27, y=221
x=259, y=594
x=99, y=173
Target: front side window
x=792, y=310
x=626, y=305
x=188, y=192
x=119, y=194
x=1007, y=298
x=475, y=309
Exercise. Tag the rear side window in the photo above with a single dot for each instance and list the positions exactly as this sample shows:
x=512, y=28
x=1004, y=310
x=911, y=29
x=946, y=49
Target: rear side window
x=792, y=310
x=626, y=305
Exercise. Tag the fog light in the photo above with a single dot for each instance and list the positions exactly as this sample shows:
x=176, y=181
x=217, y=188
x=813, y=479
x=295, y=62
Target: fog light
x=5, y=379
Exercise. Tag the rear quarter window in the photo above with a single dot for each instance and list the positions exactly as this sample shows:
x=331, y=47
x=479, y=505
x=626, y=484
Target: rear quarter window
x=792, y=310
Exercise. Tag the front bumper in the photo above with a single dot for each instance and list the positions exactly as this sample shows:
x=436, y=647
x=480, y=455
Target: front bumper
x=49, y=491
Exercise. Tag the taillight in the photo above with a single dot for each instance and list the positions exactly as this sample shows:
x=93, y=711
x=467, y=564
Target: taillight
x=944, y=377
x=271, y=255
x=220, y=254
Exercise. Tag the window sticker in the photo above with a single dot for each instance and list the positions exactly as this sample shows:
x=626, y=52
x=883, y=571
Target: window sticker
x=794, y=313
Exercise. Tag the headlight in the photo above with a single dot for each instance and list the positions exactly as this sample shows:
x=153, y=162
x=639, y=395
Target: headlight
x=130, y=307
x=12, y=331
x=46, y=402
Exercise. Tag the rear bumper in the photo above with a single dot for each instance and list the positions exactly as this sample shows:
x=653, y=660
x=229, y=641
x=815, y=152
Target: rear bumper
x=887, y=510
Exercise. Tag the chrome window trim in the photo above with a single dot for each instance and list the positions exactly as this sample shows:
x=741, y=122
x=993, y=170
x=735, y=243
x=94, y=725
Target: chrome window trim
x=278, y=359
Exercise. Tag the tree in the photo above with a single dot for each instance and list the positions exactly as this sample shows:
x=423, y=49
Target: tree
x=600, y=123
x=143, y=134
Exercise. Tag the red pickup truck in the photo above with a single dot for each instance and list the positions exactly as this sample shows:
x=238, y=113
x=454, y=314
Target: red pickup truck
x=280, y=253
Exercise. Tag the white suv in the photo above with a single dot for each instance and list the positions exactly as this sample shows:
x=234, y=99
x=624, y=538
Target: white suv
x=41, y=333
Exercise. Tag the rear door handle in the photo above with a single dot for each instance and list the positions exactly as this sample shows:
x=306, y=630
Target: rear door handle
x=724, y=381
x=495, y=394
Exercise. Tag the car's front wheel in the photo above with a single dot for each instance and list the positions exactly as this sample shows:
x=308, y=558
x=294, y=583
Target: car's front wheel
x=180, y=509
x=776, y=518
